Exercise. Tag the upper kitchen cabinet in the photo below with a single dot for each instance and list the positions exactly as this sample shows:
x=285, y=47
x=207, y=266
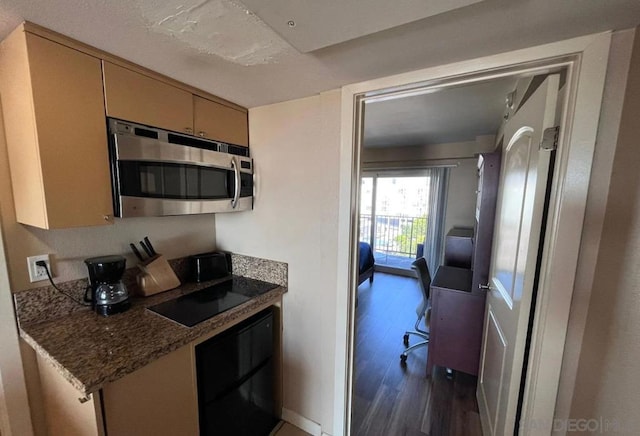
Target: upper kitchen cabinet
x=219, y=122
x=132, y=96
x=53, y=113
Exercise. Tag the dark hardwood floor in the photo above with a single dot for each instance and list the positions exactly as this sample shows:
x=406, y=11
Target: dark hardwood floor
x=390, y=399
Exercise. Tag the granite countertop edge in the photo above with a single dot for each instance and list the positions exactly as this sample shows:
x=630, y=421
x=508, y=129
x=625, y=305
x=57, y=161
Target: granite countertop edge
x=188, y=334
x=46, y=356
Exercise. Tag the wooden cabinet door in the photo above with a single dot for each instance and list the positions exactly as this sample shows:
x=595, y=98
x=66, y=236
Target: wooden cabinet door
x=158, y=399
x=456, y=330
x=219, y=122
x=132, y=96
x=72, y=136
x=56, y=135
x=64, y=414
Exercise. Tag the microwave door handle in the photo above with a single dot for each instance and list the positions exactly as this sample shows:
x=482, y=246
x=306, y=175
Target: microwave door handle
x=236, y=193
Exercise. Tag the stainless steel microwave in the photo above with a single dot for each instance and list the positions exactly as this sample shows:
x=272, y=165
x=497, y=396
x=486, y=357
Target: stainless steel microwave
x=156, y=172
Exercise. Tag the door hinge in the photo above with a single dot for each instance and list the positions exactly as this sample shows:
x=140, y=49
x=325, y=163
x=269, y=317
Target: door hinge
x=550, y=138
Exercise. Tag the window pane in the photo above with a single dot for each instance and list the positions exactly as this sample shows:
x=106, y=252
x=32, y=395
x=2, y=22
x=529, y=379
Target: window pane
x=401, y=219
x=366, y=204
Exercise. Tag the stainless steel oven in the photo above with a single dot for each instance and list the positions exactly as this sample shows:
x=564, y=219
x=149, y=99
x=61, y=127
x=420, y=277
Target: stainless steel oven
x=155, y=172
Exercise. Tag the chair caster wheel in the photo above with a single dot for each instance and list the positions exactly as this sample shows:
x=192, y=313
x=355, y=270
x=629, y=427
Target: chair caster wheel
x=406, y=340
x=403, y=359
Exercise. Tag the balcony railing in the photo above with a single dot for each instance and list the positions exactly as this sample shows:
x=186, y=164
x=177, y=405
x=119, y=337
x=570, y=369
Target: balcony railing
x=396, y=236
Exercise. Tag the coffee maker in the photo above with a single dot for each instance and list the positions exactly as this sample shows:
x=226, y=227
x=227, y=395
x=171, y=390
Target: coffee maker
x=106, y=292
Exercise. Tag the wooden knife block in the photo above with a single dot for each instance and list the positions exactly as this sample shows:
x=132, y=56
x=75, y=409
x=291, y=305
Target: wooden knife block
x=156, y=276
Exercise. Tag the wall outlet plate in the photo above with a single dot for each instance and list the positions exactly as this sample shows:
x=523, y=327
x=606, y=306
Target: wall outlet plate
x=38, y=273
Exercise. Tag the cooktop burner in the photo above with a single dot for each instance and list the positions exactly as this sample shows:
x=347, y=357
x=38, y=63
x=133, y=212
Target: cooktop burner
x=198, y=306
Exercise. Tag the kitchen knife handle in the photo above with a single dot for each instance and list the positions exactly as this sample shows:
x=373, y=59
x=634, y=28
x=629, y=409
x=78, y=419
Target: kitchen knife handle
x=136, y=252
x=146, y=249
x=148, y=242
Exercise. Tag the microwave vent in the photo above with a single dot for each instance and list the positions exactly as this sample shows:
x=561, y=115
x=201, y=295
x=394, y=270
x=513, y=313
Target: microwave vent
x=193, y=142
x=238, y=151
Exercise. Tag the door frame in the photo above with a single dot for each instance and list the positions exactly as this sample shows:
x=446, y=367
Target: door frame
x=586, y=61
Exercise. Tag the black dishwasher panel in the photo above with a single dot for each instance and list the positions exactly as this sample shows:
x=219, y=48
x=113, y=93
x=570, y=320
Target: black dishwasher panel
x=235, y=379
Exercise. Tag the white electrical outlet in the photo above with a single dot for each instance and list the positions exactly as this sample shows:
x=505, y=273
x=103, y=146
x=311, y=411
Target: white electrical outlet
x=38, y=273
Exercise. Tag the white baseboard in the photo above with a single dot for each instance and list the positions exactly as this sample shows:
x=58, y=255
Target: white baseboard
x=311, y=427
x=325, y=434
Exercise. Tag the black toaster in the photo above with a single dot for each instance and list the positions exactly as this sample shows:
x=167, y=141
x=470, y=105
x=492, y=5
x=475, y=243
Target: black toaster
x=209, y=266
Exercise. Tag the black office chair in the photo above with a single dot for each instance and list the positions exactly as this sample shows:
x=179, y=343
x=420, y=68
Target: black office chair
x=424, y=278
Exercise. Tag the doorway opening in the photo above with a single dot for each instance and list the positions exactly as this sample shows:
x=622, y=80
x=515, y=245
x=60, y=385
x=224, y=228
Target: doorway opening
x=583, y=59
x=418, y=182
x=453, y=154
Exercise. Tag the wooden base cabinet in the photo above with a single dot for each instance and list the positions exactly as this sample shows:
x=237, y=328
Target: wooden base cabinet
x=53, y=113
x=64, y=414
x=159, y=399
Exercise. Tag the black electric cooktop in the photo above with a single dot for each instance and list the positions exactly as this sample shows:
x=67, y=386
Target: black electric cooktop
x=198, y=306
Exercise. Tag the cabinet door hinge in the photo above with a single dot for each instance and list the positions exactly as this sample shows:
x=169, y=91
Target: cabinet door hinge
x=550, y=138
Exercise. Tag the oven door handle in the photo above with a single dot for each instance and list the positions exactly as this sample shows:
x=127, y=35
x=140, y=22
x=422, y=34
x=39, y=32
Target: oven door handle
x=236, y=193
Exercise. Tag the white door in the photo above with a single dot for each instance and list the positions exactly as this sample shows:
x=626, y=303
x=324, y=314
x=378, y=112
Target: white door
x=519, y=216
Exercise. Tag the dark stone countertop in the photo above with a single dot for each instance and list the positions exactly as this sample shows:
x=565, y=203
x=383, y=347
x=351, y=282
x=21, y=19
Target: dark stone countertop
x=90, y=350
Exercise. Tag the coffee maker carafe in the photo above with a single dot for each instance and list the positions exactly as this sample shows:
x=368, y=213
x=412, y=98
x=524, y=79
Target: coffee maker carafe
x=108, y=295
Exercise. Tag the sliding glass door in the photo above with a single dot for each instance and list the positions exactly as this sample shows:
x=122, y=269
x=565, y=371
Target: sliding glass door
x=394, y=215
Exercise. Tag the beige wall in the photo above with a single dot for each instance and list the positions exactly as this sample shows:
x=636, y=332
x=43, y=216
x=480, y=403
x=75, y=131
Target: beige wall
x=296, y=149
x=172, y=236
x=607, y=384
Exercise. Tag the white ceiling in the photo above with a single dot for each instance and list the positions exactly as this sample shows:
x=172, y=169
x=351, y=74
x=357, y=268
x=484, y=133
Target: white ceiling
x=221, y=47
x=449, y=115
x=309, y=25
x=211, y=27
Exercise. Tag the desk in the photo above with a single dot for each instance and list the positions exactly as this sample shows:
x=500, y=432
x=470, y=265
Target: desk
x=458, y=247
x=457, y=315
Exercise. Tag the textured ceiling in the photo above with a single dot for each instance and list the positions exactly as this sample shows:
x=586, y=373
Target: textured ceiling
x=449, y=115
x=311, y=24
x=243, y=65
x=210, y=27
